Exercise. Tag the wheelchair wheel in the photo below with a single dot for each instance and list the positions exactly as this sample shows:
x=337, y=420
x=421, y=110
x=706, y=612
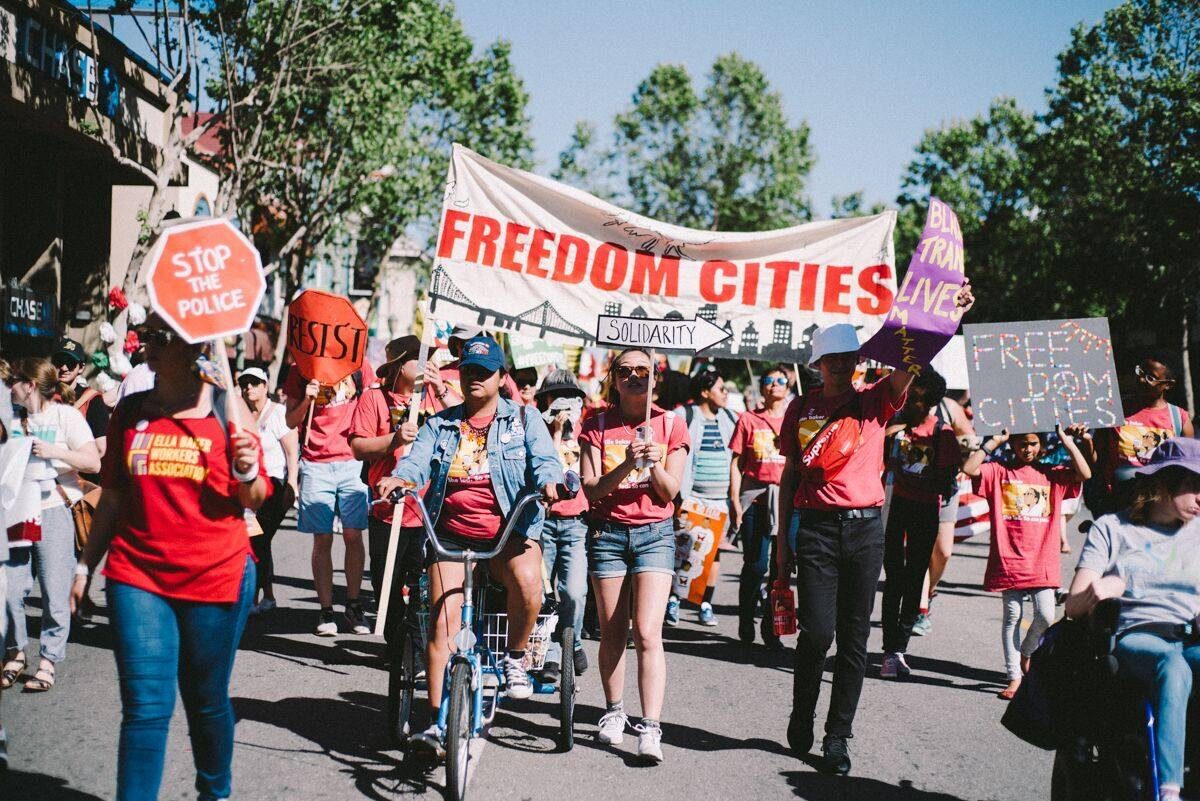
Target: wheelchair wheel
x=458, y=731
x=402, y=683
x=566, y=692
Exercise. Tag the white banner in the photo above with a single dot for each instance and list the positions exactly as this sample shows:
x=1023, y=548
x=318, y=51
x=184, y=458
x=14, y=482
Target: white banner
x=539, y=259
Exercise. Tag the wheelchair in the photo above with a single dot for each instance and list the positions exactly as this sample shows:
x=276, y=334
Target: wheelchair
x=1111, y=754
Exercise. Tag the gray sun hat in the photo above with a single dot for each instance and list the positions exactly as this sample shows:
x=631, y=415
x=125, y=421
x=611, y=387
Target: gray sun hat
x=560, y=381
x=1176, y=452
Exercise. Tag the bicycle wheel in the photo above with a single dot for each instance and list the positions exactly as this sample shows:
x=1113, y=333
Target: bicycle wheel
x=566, y=692
x=458, y=731
x=402, y=684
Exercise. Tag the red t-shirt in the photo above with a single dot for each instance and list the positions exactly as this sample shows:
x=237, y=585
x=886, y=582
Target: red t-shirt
x=470, y=509
x=378, y=413
x=1131, y=444
x=1025, y=513
x=633, y=502
x=930, y=446
x=755, y=442
x=183, y=531
x=859, y=484
x=333, y=409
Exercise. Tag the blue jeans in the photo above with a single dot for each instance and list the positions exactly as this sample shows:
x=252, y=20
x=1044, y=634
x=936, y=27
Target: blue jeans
x=566, y=565
x=1166, y=670
x=161, y=642
x=54, y=556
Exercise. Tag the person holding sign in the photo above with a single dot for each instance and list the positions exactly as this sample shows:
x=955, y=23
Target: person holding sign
x=177, y=480
x=754, y=498
x=381, y=432
x=633, y=465
x=924, y=458
x=1025, y=511
x=830, y=501
x=478, y=459
x=331, y=483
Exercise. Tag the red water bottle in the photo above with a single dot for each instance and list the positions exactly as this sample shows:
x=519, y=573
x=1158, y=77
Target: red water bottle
x=783, y=607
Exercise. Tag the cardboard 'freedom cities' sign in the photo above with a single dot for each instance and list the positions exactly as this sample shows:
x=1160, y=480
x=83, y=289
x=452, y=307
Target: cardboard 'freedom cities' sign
x=1028, y=377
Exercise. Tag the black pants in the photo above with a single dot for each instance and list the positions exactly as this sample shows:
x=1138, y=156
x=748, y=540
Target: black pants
x=270, y=515
x=756, y=556
x=838, y=563
x=410, y=555
x=907, y=545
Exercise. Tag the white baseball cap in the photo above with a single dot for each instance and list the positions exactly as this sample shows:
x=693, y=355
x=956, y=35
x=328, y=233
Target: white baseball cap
x=256, y=373
x=837, y=338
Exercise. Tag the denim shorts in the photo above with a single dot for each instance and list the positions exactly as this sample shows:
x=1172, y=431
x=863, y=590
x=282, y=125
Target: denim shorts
x=328, y=489
x=616, y=549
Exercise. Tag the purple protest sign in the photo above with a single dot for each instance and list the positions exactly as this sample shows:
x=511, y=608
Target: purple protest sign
x=924, y=315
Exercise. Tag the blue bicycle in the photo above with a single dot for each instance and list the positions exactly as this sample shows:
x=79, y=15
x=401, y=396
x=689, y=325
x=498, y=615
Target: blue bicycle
x=475, y=681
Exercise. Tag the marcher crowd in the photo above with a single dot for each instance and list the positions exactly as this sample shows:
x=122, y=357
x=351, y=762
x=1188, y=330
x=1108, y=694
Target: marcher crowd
x=836, y=474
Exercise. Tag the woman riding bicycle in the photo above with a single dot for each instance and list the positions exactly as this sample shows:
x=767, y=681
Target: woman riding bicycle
x=1149, y=556
x=479, y=458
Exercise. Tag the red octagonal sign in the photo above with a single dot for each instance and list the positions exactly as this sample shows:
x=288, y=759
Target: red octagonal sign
x=205, y=280
x=325, y=336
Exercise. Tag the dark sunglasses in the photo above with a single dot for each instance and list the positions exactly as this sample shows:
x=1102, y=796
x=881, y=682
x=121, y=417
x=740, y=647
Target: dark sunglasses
x=64, y=364
x=780, y=381
x=246, y=383
x=625, y=371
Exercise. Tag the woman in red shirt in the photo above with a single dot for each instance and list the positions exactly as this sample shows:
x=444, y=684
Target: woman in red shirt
x=631, y=481
x=180, y=572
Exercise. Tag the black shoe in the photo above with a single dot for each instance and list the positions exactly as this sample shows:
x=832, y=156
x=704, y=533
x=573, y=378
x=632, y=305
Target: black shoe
x=551, y=673
x=746, y=630
x=581, y=663
x=835, y=755
x=800, y=735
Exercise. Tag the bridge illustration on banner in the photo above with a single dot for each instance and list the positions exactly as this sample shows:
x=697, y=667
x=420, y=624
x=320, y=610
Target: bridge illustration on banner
x=781, y=343
x=543, y=316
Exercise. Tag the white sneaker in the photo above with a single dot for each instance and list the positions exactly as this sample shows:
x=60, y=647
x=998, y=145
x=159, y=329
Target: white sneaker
x=901, y=666
x=327, y=624
x=650, y=744
x=516, y=681
x=612, y=728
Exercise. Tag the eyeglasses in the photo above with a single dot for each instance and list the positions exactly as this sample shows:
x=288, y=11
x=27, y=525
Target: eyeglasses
x=778, y=381
x=625, y=371
x=1151, y=380
x=64, y=364
x=246, y=383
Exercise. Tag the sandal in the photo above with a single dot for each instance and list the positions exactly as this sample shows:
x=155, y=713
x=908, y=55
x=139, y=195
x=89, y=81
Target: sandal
x=43, y=680
x=12, y=671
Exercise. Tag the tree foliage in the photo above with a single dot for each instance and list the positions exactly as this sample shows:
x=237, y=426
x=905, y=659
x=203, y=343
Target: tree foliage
x=1092, y=208
x=341, y=113
x=722, y=157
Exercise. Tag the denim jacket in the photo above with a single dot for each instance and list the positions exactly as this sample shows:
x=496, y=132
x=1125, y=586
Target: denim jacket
x=521, y=455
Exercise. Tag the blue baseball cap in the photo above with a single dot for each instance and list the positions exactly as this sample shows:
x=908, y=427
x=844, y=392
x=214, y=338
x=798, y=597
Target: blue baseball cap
x=482, y=352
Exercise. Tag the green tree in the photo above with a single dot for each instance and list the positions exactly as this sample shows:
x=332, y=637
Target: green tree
x=340, y=114
x=1119, y=168
x=853, y=205
x=981, y=168
x=725, y=157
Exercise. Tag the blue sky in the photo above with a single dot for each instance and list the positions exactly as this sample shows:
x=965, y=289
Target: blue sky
x=869, y=78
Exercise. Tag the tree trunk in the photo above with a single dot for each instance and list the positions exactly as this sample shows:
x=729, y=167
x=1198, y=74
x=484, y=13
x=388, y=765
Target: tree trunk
x=289, y=272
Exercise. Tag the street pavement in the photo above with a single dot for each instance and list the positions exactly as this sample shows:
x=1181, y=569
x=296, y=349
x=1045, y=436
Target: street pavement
x=310, y=717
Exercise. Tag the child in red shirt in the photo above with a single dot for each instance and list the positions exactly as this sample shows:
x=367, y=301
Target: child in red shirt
x=1024, y=509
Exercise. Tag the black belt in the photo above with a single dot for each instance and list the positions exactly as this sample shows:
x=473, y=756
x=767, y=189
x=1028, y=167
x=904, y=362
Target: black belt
x=862, y=513
x=1176, y=632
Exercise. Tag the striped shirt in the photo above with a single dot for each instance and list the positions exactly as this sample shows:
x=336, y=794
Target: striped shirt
x=711, y=467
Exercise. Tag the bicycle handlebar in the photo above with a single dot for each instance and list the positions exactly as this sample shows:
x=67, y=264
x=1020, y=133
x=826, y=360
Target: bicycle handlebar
x=568, y=489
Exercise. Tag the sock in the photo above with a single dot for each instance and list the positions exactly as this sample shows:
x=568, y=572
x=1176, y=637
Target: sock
x=650, y=723
x=516, y=655
x=924, y=610
x=615, y=706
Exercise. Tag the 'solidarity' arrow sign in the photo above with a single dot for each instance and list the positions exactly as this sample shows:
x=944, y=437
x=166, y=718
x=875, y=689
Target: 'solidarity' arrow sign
x=667, y=334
